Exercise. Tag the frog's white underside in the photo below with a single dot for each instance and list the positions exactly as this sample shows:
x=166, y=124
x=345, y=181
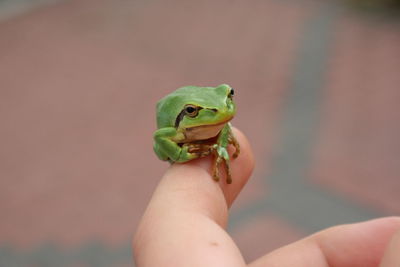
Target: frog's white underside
x=203, y=132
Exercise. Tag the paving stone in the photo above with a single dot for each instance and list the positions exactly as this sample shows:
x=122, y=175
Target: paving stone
x=79, y=81
x=357, y=153
x=261, y=235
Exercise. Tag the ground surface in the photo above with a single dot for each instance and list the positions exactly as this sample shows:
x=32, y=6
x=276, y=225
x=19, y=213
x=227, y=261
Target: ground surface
x=317, y=88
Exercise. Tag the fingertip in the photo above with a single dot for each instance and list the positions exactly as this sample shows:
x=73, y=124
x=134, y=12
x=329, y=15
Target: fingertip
x=190, y=187
x=241, y=168
x=195, y=177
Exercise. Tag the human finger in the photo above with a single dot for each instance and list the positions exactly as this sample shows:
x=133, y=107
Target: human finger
x=184, y=222
x=361, y=244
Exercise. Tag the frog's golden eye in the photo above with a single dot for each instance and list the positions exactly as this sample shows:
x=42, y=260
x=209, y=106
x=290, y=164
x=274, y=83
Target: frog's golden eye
x=231, y=93
x=191, y=110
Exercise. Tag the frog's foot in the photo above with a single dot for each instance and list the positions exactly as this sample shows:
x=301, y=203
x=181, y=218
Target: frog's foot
x=232, y=140
x=201, y=150
x=215, y=171
x=185, y=155
x=221, y=155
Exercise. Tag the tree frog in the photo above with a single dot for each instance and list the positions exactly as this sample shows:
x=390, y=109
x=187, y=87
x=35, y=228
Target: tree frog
x=193, y=122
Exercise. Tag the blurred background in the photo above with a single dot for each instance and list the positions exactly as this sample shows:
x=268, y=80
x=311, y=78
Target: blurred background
x=317, y=85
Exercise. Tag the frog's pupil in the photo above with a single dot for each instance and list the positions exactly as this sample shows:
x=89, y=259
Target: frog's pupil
x=232, y=92
x=190, y=110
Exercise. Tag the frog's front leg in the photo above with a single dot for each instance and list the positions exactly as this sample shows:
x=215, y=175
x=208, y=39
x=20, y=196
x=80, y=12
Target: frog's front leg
x=166, y=146
x=227, y=131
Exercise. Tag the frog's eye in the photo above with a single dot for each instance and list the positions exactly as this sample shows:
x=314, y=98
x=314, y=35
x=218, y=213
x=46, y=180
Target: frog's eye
x=231, y=93
x=191, y=110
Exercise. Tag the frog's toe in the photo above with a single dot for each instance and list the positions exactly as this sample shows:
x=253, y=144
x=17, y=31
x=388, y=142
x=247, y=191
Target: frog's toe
x=200, y=150
x=215, y=170
x=185, y=155
x=215, y=173
x=228, y=172
x=216, y=177
x=236, y=145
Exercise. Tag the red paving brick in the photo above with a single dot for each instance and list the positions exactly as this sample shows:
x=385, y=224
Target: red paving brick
x=358, y=149
x=261, y=235
x=79, y=81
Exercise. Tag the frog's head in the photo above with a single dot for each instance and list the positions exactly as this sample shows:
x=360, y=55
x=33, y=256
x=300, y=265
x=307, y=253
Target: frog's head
x=199, y=112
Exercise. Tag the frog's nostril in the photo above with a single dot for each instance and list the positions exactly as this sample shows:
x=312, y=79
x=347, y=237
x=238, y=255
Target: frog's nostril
x=214, y=109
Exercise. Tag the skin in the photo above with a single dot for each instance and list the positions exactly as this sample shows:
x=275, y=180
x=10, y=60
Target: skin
x=193, y=122
x=185, y=225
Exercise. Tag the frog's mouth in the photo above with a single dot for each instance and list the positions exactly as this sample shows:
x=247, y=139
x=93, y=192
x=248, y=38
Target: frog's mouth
x=204, y=132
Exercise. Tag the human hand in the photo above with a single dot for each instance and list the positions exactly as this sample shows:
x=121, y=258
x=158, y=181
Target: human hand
x=184, y=226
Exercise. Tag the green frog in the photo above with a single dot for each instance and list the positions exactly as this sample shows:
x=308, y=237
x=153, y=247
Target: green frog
x=194, y=122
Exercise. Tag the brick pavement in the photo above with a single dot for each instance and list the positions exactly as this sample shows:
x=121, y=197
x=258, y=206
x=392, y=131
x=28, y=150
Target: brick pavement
x=79, y=80
x=359, y=145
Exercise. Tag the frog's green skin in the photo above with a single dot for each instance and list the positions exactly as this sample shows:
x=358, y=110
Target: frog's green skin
x=193, y=122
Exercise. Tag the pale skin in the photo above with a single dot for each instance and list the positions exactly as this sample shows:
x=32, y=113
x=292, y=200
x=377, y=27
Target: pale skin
x=185, y=225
